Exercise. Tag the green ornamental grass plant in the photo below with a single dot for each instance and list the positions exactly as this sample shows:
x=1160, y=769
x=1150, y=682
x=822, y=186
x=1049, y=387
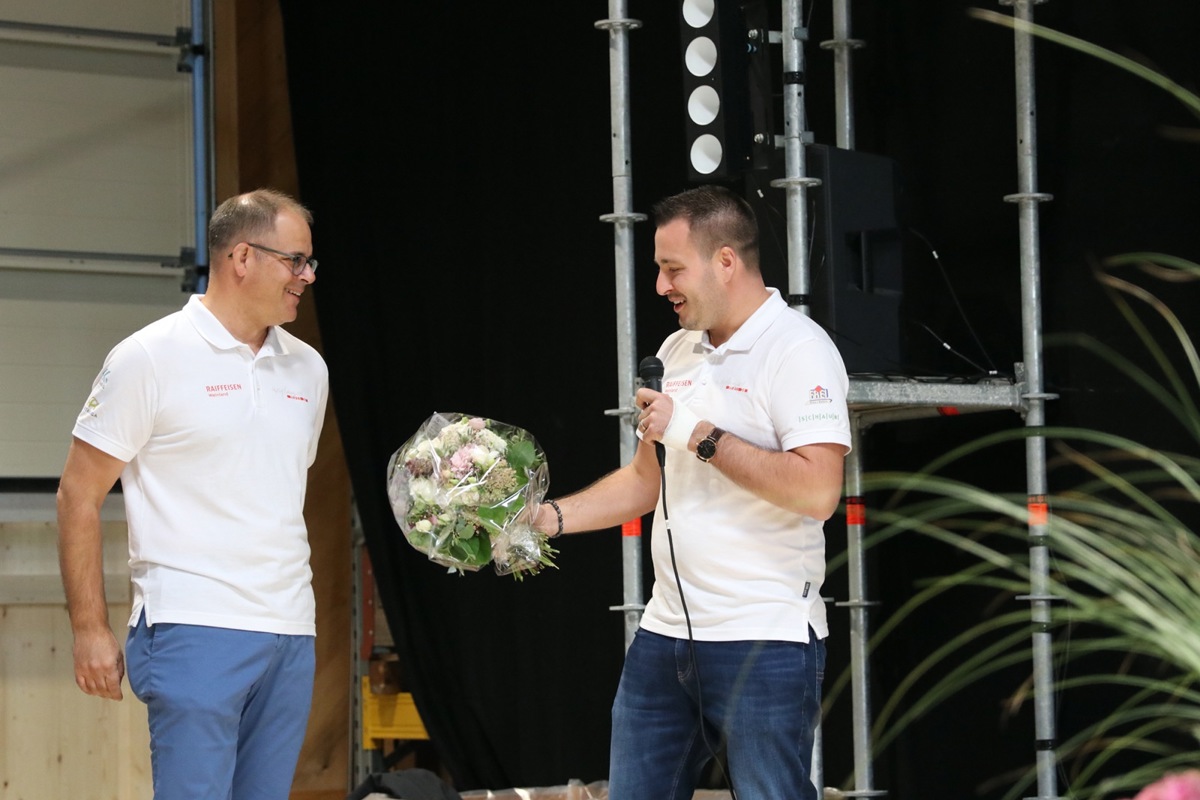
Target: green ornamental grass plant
x=1126, y=555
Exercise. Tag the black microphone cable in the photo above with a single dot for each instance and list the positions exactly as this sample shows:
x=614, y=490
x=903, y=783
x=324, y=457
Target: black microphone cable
x=662, y=471
x=651, y=372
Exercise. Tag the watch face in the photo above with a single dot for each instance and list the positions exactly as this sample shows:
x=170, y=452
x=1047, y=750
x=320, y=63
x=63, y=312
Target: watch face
x=706, y=449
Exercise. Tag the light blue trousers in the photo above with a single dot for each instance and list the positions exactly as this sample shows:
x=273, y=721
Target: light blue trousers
x=227, y=708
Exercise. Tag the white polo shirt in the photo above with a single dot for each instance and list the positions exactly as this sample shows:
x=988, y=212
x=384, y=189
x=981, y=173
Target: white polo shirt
x=750, y=570
x=218, y=441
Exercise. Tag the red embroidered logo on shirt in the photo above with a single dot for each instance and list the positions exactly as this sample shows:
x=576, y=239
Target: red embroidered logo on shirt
x=733, y=388
x=222, y=389
x=296, y=397
x=819, y=394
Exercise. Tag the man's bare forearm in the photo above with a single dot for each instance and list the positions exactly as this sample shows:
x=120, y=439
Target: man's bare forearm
x=621, y=495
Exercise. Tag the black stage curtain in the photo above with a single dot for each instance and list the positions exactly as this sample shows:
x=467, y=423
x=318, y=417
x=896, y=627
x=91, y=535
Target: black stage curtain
x=457, y=158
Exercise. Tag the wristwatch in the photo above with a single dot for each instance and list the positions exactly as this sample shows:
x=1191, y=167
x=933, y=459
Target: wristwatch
x=708, y=445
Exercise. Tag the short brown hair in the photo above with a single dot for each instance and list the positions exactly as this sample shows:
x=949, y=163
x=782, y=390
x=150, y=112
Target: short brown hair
x=249, y=216
x=717, y=218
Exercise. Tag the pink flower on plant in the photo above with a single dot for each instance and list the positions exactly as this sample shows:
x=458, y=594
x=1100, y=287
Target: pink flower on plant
x=1177, y=786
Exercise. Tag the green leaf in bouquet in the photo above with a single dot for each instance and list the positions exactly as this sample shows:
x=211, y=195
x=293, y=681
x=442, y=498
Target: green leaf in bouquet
x=421, y=540
x=464, y=528
x=500, y=513
x=521, y=456
x=468, y=548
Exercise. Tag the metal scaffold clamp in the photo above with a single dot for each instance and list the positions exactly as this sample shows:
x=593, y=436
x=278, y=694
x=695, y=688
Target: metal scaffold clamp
x=843, y=44
x=1028, y=197
x=623, y=218
x=629, y=413
x=189, y=51
x=804, y=183
x=618, y=24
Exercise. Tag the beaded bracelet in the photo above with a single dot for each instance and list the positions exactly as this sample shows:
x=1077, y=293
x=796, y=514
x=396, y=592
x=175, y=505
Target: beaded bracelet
x=558, y=511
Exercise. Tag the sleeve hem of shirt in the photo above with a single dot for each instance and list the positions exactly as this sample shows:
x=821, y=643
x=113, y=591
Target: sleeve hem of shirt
x=103, y=444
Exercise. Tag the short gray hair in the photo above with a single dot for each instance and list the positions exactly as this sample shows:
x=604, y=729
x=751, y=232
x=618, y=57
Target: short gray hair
x=249, y=216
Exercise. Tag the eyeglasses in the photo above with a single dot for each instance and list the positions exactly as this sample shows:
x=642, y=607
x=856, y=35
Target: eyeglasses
x=298, y=260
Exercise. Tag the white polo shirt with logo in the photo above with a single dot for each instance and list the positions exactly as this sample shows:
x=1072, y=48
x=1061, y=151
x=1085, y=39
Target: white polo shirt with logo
x=750, y=569
x=218, y=441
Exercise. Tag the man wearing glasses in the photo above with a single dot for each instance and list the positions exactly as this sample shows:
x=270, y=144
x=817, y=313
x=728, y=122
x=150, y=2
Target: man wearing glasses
x=210, y=418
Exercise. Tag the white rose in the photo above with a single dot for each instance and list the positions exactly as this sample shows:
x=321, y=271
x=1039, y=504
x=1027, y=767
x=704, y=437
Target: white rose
x=493, y=440
x=422, y=489
x=483, y=457
x=470, y=497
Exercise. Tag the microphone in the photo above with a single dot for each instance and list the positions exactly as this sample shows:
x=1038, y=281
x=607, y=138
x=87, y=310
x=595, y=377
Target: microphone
x=651, y=372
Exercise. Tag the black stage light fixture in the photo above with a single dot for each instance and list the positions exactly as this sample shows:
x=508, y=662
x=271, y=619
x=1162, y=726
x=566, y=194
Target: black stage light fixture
x=716, y=58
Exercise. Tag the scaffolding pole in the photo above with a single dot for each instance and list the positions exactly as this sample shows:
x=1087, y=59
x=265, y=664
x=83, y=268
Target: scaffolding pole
x=843, y=81
x=795, y=181
x=858, y=605
x=623, y=219
x=1028, y=200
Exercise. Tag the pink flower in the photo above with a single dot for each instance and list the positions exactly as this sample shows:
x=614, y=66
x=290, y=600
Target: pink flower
x=477, y=423
x=1177, y=786
x=461, y=462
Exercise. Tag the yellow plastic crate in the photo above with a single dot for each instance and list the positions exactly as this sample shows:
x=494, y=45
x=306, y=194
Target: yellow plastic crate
x=389, y=716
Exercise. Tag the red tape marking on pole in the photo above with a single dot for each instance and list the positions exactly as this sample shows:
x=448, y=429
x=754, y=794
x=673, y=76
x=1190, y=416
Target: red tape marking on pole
x=856, y=511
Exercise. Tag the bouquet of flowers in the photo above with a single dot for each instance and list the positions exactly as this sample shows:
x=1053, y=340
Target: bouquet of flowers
x=464, y=489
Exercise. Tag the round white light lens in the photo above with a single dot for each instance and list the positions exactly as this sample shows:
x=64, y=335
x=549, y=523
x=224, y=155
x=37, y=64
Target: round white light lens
x=697, y=13
x=700, y=56
x=703, y=105
x=706, y=154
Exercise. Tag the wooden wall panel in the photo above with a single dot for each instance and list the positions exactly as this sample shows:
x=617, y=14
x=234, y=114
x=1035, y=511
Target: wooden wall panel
x=58, y=741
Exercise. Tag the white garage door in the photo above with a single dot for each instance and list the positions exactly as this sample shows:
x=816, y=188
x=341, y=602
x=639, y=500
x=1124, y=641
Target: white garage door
x=96, y=193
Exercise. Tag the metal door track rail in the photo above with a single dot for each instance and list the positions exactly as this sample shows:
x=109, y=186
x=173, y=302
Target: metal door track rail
x=176, y=260
x=70, y=32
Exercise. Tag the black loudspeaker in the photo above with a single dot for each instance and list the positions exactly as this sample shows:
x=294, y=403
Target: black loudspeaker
x=856, y=262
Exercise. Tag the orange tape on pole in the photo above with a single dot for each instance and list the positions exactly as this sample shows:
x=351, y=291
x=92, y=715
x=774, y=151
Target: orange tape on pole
x=632, y=528
x=1039, y=511
x=856, y=511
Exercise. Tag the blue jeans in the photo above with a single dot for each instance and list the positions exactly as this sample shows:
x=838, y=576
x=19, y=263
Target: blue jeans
x=227, y=708
x=761, y=700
